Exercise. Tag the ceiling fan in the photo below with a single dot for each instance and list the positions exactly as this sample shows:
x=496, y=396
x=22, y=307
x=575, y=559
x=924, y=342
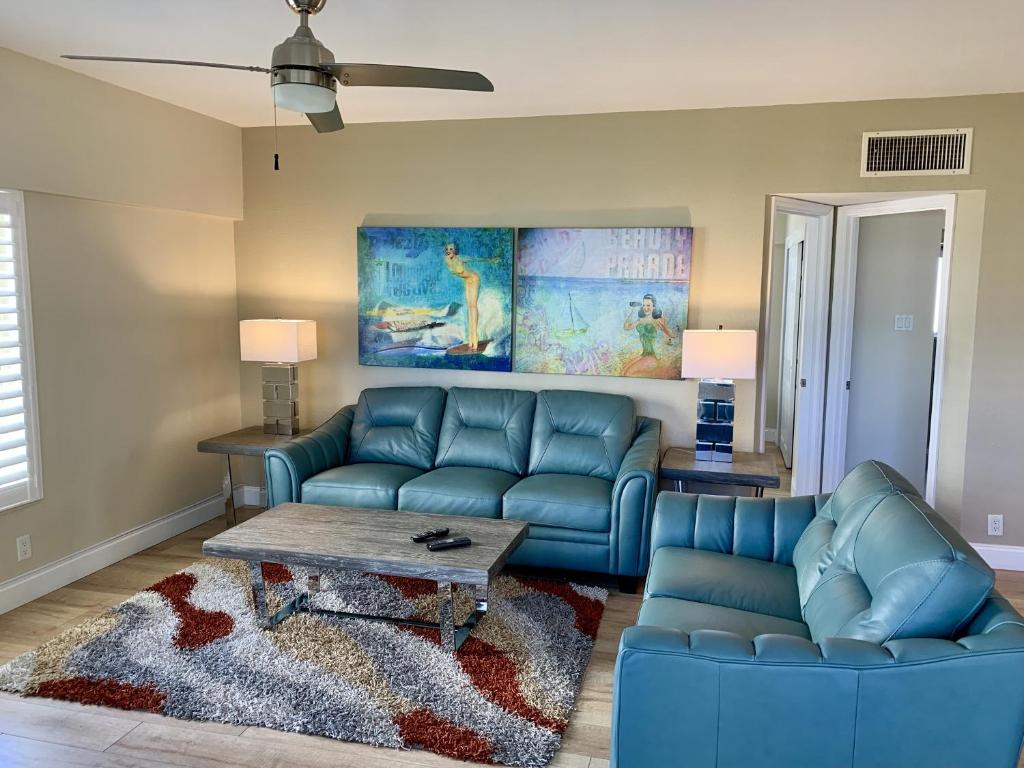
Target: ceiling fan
x=304, y=74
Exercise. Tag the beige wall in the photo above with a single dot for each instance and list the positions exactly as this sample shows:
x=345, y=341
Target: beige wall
x=713, y=169
x=69, y=134
x=134, y=307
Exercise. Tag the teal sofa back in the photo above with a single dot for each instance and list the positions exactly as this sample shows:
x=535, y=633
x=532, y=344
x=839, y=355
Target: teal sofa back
x=878, y=564
x=581, y=433
x=488, y=428
x=396, y=425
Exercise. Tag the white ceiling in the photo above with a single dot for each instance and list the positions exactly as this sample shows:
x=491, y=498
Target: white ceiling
x=546, y=56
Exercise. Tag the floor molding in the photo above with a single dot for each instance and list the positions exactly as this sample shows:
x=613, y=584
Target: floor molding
x=45, y=579
x=249, y=496
x=1002, y=556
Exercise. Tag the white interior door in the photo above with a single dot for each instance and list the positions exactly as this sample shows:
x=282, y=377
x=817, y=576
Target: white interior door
x=792, y=286
x=887, y=343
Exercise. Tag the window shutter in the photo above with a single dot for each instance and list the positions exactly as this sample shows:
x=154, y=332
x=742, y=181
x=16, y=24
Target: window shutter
x=19, y=431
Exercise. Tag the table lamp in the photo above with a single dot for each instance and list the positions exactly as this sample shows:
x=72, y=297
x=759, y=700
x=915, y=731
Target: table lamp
x=717, y=358
x=280, y=345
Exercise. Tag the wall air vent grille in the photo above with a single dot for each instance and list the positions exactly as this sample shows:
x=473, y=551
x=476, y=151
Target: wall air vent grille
x=917, y=153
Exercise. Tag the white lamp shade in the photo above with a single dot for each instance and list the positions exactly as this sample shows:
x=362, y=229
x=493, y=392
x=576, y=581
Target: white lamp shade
x=719, y=354
x=277, y=341
x=303, y=97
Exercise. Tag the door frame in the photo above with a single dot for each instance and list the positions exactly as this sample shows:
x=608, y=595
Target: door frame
x=841, y=339
x=814, y=312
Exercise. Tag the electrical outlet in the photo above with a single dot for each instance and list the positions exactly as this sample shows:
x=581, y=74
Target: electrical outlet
x=995, y=525
x=24, y=547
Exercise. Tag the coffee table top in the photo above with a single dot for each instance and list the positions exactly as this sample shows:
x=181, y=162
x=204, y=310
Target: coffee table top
x=370, y=540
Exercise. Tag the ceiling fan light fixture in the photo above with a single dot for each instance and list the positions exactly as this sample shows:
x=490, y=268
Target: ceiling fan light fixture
x=302, y=97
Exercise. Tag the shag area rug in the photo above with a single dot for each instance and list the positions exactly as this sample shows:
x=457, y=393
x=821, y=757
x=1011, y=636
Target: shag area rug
x=189, y=647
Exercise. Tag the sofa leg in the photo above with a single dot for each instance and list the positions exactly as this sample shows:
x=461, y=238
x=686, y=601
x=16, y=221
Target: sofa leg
x=628, y=584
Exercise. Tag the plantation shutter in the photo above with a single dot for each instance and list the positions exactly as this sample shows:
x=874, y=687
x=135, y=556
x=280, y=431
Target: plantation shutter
x=19, y=448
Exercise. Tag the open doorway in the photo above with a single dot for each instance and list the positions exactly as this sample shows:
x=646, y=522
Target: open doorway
x=794, y=337
x=784, y=355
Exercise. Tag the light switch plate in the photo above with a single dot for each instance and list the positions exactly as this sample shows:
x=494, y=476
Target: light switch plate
x=904, y=322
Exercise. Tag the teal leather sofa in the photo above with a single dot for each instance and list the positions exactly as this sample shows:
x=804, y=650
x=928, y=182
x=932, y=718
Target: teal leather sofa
x=857, y=631
x=580, y=467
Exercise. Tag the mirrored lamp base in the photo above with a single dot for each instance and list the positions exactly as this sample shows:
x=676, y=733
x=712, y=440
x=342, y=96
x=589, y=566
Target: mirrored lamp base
x=716, y=405
x=280, y=399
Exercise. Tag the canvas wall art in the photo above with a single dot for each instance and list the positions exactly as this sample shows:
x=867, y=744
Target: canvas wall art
x=602, y=302
x=432, y=297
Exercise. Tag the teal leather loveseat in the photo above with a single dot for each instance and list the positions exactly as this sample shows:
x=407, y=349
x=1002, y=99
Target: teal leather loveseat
x=857, y=631
x=580, y=467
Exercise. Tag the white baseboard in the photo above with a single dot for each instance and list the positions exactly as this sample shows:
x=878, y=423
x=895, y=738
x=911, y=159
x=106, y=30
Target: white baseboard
x=250, y=496
x=1002, y=556
x=770, y=435
x=45, y=579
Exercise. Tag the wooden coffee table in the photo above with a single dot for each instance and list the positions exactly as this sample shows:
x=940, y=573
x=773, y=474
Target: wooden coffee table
x=371, y=541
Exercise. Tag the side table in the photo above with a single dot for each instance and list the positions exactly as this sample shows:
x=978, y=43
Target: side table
x=754, y=469
x=251, y=441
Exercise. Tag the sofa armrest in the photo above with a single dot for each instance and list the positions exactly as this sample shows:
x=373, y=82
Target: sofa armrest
x=291, y=464
x=766, y=529
x=712, y=698
x=636, y=486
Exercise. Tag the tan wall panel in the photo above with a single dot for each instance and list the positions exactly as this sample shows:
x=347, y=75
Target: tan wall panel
x=65, y=133
x=136, y=346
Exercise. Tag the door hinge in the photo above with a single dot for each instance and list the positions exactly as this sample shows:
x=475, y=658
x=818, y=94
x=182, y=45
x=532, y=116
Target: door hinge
x=803, y=383
x=847, y=385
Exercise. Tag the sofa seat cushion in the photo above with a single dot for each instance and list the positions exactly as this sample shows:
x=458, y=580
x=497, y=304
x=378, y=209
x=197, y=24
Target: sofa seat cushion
x=471, y=491
x=690, y=616
x=561, y=501
x=729, y=581
x=369, y=486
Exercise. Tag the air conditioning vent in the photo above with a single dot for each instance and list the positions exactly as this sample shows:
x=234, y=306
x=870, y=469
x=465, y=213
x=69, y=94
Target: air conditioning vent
x=917, y=153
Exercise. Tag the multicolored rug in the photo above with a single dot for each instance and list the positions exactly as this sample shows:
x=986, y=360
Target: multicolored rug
x=189, y=647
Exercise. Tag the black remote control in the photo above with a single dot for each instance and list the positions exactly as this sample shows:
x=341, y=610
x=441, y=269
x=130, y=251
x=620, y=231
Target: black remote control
x=435, y=533
x=461, y=541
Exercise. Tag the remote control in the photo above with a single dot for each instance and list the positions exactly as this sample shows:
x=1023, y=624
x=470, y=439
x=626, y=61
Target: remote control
x=435, y=533
x=461, y=541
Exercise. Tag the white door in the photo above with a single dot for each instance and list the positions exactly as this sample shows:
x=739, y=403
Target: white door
x=887, y=340
x=792, y=286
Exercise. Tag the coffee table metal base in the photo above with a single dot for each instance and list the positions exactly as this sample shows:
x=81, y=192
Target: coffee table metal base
x=452, y=636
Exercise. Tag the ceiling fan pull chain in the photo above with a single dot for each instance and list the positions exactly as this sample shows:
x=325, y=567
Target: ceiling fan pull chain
x=277, y=164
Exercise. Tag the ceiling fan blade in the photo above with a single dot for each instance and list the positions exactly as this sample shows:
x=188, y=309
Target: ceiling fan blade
x=166, y=61
x=408, y=77
x=326, y=122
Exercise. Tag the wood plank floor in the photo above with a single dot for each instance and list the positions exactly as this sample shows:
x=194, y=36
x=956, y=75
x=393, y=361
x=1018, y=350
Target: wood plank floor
x=38, y=732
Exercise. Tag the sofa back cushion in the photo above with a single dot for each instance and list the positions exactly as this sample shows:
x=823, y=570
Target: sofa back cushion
x=581, y=433
x=396, y=425
x=487, y=428
x=878, y=564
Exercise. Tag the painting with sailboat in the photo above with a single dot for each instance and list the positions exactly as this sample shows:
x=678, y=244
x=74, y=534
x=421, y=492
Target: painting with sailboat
x=602, y=302
x=436, y=297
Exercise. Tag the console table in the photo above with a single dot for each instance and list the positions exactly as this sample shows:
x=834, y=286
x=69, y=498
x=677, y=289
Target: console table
x=250, y=441
x=756, y=470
